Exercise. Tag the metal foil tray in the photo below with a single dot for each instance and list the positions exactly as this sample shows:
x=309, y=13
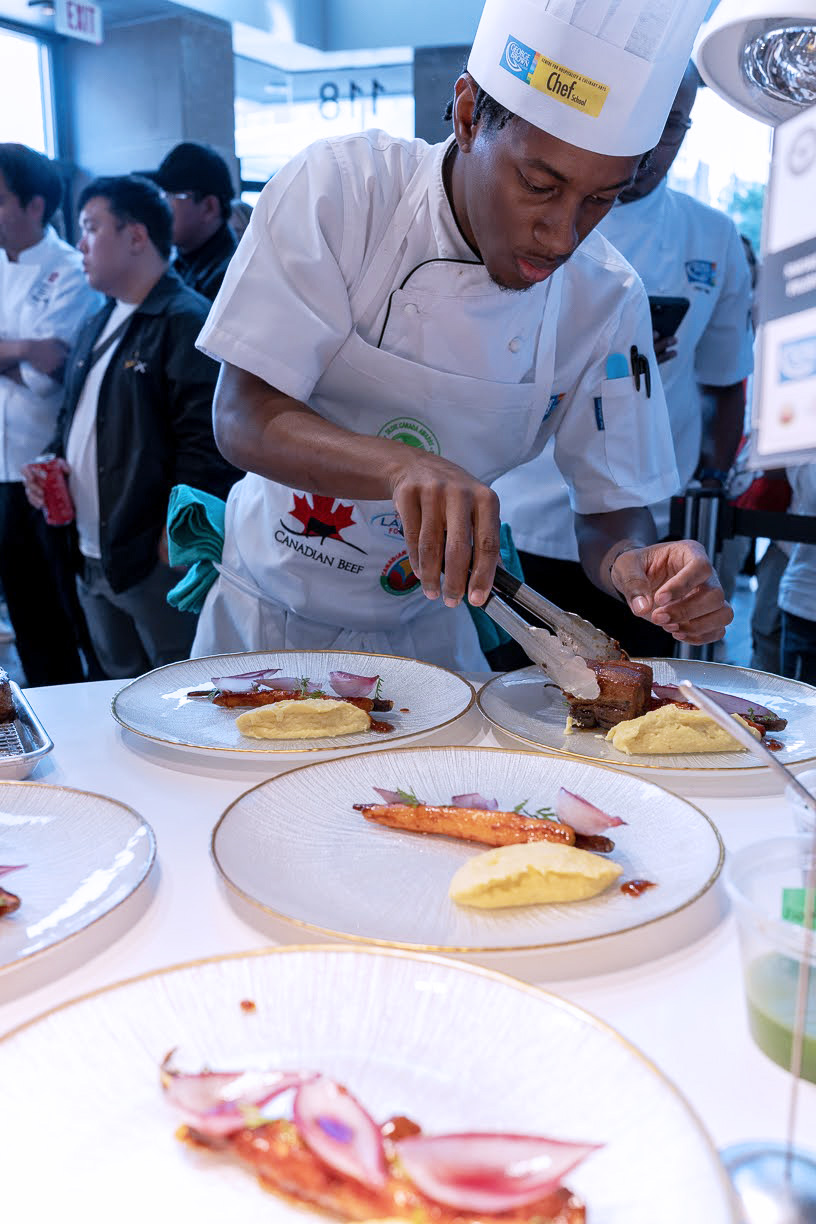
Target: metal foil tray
x=23, y=739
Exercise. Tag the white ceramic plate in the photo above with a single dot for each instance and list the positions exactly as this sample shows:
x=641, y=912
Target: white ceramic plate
x=295, y=846
x=453, y=1047
x=157, y=707
x=526, y=705
x=84, y=853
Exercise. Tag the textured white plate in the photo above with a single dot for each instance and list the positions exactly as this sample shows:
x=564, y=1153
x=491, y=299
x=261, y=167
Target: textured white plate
x=525, y=705
x=295, y=846
x=453, y=1047
x=156, y=705
x=84, y=853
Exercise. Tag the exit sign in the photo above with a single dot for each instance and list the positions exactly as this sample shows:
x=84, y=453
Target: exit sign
x=78, y=20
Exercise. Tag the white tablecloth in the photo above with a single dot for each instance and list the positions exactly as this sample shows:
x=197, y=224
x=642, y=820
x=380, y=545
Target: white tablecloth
x=675, y=989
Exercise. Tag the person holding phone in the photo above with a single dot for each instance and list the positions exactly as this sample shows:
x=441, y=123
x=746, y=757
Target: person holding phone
x=692, y=262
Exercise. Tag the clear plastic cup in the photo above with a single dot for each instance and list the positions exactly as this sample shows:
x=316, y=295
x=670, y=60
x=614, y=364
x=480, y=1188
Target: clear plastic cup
x=804, y=816
x=773, y=947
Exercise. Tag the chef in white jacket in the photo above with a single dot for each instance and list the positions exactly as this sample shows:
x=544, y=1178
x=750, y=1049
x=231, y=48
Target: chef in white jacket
x=680, y=248
x=44, y=300
x=403, y=323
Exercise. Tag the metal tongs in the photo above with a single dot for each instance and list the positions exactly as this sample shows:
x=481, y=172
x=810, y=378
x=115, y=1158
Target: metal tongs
x=560, y=652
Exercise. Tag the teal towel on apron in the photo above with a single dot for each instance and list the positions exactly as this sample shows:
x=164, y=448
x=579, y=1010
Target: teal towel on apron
x=490, y=635
x=195, y=537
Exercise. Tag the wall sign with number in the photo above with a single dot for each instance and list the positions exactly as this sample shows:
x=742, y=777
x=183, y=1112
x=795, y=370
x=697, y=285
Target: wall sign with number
x=331, y=95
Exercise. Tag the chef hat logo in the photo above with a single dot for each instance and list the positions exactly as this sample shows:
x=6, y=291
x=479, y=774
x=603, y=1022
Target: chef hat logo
x=519, y=58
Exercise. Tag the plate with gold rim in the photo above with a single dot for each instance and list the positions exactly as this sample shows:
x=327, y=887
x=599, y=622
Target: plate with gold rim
x=528, y=706
x=296, y=848
x=157, y=706
x=451, y=1046
x=84, y=854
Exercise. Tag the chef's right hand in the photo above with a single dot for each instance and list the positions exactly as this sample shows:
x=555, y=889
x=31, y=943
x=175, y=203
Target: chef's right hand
x=665, y=348
x=34, y=480
x=451, y=522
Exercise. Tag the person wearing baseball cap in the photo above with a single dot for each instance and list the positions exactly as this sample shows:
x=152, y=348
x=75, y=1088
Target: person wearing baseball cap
x=404, y=323
x=197, y=182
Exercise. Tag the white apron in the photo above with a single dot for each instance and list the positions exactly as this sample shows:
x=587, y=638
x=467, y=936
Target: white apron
x=305, y=571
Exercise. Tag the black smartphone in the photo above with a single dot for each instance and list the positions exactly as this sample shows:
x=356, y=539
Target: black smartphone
x=667, y=314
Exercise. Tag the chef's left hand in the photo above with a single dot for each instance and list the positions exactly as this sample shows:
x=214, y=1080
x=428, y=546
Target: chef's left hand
x=674, y=585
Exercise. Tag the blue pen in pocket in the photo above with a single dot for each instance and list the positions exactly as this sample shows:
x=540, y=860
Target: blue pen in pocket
x=617, y=366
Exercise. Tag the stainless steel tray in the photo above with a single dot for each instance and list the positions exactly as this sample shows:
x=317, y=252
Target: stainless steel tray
x=23, y=740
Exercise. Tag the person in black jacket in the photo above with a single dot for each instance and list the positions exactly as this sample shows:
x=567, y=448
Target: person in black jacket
x=197, y=182
x=135, y=421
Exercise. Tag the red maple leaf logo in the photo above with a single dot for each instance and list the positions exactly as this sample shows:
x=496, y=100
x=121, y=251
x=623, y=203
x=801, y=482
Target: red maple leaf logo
x=322, y=519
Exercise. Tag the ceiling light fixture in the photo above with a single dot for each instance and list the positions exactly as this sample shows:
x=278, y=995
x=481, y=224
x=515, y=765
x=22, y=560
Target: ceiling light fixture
x=760, y=55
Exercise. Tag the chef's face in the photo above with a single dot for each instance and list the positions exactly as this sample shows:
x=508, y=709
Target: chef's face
x=524, y=199
x=20, y=224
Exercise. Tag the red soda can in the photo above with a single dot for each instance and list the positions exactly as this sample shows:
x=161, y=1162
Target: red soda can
x=58, y=507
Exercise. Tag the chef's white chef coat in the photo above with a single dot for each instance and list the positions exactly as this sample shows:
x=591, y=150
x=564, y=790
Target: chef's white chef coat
x=797, y=590
x=378, y=315
x=680, y=248
x=44, y=295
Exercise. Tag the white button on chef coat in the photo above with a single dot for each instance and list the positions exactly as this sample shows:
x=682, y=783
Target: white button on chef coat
x=680, y=248
x=43, y=295
x=301, y=314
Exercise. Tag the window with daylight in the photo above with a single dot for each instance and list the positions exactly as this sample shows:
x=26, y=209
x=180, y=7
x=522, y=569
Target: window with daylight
x=734, y=182
x=26, y=112
x=278, y=112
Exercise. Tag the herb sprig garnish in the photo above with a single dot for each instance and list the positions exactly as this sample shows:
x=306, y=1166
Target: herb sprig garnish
x=542, y=813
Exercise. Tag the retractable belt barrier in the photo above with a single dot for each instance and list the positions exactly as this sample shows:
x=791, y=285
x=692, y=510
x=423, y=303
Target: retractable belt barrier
x=707, y=516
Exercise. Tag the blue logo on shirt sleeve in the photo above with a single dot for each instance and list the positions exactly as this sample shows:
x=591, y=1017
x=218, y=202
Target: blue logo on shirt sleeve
x=701, y=272
x=518, y=59
x=555, y=400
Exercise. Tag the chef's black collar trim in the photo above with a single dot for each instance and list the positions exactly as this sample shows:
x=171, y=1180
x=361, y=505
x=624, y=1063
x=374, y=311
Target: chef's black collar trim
x=471, y=263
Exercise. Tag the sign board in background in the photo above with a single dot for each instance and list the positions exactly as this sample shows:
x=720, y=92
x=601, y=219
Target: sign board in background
x=784, y=407
x=78, y=20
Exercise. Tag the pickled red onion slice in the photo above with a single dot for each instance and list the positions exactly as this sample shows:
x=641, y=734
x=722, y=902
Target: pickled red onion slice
x=339, y=1131
x=16, y=867
x=488, y=1172
x=290, y=684
x=582, y=815
x=388, y=796
x=475, y=800
x=243, y=682
x=214, y=1102
x=347, y=684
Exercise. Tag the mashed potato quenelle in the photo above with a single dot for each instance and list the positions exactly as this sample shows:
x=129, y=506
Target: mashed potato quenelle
x=672, y=729
x=531, y=874
x=311, y=718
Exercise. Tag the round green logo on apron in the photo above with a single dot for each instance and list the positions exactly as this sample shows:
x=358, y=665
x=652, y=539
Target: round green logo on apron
x=412, y=433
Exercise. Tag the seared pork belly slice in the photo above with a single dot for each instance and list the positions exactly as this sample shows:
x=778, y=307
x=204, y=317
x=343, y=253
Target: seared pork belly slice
x=626, y=689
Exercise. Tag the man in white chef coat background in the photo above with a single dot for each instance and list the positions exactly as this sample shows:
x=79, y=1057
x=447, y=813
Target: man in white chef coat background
x=681, y=248
x=403, y=323
x=44, y=300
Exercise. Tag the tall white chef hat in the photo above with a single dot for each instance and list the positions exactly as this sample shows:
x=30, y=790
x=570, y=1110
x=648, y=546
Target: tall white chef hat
x=599, y=74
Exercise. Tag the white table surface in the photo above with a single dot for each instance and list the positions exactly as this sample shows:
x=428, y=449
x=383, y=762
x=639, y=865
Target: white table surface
x=674, y=989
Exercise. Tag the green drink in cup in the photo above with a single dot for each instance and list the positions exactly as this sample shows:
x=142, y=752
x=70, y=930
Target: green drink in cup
x=766, y=882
